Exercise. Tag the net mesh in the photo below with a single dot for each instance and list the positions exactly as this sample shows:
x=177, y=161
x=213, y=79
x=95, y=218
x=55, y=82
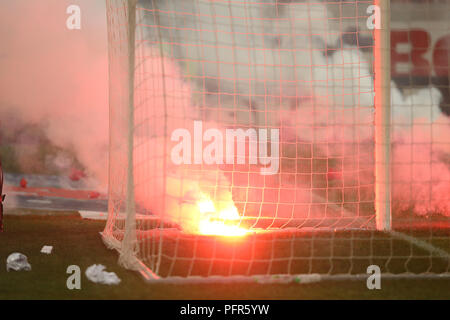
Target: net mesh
x=247, y=138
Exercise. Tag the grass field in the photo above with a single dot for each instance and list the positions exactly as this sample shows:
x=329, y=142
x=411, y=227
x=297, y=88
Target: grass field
x=292, y=251
x=78, y=242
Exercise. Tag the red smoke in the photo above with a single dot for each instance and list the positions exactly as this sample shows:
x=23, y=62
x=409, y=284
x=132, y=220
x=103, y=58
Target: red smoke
x=57, y=78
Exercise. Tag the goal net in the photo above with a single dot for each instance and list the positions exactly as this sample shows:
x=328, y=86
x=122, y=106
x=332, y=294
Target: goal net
x=278, y=137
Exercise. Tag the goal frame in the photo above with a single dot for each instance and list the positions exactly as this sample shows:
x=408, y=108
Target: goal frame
x=382, y=83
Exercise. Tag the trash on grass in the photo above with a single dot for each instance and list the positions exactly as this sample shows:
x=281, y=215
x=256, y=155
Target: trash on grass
x=18, y=262
x=47, y=249
x=96, y=273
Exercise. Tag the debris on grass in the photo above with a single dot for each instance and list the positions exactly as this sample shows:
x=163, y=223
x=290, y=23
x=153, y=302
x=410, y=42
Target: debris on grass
x=93, y=215
x=18, y=262
x=303, y=278
x=96, y=273
x=47, y=249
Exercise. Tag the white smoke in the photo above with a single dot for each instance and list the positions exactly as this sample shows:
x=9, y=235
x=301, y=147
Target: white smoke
x=55, y=79
x=243, y=50
x=421, y=147
x=267, y=62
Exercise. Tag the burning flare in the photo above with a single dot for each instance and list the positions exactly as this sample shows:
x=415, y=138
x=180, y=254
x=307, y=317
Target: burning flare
x=223, y=222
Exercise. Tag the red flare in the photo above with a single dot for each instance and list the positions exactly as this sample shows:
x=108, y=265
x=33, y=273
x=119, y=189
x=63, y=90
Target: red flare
x=76, y=174
x=23, y=183
x=93, y=195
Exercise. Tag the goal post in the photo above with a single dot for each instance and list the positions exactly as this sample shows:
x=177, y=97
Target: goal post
x=254, y=141
x=382, y=81
x=121, y=39
x=129, y=244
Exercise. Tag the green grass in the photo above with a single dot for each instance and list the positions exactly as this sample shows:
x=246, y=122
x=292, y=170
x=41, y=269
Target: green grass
x=298, y=252
x=78, y=242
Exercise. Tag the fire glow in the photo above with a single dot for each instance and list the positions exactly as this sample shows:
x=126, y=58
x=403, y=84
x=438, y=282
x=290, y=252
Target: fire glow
x=219, y=223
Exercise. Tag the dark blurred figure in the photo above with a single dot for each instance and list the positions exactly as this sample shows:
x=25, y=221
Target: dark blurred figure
x=2, y=197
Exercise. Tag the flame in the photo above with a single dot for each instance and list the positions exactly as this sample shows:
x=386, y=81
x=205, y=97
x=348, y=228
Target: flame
x=222, y=222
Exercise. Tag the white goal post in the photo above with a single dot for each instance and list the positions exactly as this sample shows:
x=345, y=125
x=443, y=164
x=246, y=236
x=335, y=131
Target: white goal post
x=253, y=140
x=382, y=80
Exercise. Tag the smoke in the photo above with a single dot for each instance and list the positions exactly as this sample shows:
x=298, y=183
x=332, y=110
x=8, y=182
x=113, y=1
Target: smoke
x=341, y=112
x=339, y=104
x=324, y=103
x=55, y=80
x=161, y=187
x=421, y=149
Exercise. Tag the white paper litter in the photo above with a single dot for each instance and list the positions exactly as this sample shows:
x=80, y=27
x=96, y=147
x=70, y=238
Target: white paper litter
x=18, y=262
x=47, y=249
x=93, y=215
x=96, y=273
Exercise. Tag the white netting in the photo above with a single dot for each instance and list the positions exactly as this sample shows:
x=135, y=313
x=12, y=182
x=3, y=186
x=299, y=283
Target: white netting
x=253, y=141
